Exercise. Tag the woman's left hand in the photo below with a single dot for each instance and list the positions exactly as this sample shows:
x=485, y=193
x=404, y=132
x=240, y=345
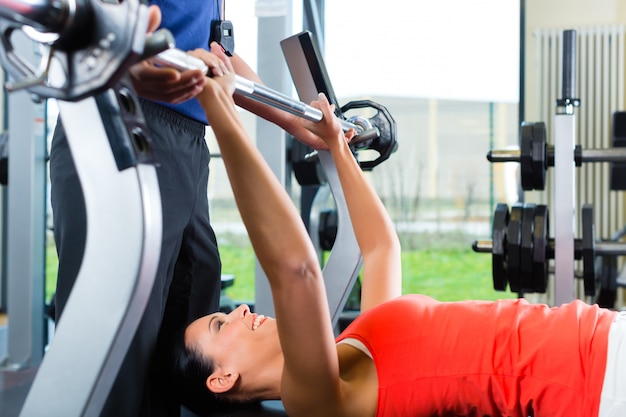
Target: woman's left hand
x=222, y=71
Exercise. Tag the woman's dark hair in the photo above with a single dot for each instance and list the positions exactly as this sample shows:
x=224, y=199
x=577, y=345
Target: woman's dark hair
x=190, y=372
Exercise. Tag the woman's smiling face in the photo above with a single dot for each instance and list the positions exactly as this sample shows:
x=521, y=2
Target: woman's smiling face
x=240, y=341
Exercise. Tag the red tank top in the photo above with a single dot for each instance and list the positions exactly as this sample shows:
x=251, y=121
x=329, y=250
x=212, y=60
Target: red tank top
x=478, y=358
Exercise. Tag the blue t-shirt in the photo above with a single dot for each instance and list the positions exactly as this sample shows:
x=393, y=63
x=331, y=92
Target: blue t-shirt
x=190, y=23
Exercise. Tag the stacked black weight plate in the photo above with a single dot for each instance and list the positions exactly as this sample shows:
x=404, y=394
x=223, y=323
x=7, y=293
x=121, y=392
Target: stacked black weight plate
x=514, y=248
x=533, y=155
x=526, y=155
x=588, y=250
x=498, y=251
x=527, y=248
x=540, y=250
x=520, y=248
x=539, y=156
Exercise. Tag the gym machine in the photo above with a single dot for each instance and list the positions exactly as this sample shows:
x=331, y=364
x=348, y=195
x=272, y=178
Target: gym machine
x=89, y=46
x=520, y=247
x=24, y=220
x=82, y=67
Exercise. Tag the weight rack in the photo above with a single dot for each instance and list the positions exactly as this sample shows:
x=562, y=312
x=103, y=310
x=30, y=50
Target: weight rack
x=520, y=247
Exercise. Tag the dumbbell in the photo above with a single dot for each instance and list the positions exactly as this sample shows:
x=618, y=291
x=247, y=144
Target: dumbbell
x=521, y=249
x=535, y=155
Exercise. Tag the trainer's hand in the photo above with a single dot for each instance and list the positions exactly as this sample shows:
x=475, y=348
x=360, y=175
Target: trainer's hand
x=163, y=84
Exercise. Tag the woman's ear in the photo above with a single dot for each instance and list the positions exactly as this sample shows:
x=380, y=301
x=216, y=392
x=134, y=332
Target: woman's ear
x=220, y=381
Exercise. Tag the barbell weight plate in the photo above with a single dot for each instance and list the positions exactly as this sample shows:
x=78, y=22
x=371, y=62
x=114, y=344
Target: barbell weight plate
x=540, y=248
x=526, y=157
x=308, y=171
x=607, y=275
x=327, y=228
x=514, y=243
x=539, y=155
x=498, y=247
x=588, y=250
x=386, y=143
x=527, y=248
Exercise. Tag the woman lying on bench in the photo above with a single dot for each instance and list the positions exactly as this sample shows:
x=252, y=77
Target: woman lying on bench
x=404, y=355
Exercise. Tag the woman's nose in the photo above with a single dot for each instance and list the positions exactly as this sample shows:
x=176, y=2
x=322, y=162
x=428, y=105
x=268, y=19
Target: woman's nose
x=241, y=311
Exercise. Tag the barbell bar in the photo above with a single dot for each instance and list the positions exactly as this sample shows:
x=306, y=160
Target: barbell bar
x=535, y=155
x=377, y=133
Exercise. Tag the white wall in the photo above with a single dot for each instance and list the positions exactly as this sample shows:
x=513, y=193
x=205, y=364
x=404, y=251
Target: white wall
x=563, y=14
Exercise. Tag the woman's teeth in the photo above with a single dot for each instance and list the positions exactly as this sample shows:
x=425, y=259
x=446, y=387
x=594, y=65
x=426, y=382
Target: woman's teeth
x=257, y=321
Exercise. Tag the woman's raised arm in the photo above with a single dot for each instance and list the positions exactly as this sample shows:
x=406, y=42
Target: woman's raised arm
x=375, y=234
x=286, y=253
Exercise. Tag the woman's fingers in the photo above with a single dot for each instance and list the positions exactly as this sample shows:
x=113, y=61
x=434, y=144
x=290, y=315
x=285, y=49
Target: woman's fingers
x=217, y=61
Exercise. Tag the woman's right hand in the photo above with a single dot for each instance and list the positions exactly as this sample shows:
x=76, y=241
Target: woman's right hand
x=222, y=71
x=329, y=129
x=226, y=76
x=217, y=89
